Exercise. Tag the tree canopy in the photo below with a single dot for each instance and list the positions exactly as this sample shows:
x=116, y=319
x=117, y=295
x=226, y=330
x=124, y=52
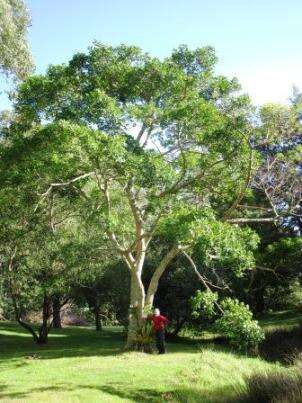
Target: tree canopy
x=15, y=56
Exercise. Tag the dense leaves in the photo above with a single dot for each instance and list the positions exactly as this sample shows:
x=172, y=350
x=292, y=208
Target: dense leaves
x=15, y=57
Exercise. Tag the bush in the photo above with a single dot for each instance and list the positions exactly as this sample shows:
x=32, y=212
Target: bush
x=144, y=337
x=273, y=388
x=283, y=297
x=203, y=304
x=238, y=325
x=282, y=345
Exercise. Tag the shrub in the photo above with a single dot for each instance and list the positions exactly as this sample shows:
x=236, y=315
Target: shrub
x=282, y=345
x=283, y=297
x=144, y=337
x=273, y=388
x=203, y=304
x=238, y=325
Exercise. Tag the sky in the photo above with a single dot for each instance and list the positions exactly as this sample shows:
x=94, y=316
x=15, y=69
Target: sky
x=258, y=41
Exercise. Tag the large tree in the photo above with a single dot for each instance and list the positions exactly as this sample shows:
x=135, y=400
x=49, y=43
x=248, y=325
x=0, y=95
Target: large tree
x=151, y=148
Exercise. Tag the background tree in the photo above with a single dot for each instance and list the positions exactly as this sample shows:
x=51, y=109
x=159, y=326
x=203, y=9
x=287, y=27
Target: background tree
x=38, y=272
x=15, y=56
x=106, y=292
x=275, y=191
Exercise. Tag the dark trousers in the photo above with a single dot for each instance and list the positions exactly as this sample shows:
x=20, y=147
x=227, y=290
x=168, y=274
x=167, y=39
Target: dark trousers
x=160, y=341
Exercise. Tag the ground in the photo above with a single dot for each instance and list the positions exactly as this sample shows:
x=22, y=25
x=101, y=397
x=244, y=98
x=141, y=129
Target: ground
x=82, y=365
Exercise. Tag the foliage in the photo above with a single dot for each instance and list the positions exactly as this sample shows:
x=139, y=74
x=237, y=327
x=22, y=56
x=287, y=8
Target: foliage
x=203, y=304
x=38, y=271
x=15, y=57
x=145, y=336
x=126, y=156
x=237, y=324
x=275, y=281
x=104, y=288
x=281, y=297
x=225, y=248
x=176, y=287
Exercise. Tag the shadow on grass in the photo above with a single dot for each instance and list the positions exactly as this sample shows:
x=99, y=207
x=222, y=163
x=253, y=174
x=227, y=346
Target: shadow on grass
x=138, y=394
x=68, y=342
x=17, y=346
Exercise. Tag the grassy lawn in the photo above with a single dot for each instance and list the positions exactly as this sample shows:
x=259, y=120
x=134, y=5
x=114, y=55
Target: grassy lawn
x=81, y=365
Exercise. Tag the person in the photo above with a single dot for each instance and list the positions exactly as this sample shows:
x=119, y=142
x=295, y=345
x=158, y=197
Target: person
x=159, y=324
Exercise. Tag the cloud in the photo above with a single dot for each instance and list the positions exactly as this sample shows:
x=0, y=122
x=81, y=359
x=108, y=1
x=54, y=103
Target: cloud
x=271, y=83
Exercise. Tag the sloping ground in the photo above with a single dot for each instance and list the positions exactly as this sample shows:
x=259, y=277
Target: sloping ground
x=80, y=365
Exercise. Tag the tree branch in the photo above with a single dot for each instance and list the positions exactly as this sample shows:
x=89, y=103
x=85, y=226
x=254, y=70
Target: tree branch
x=201, y=278
x=251, y=220
x=158, y=273
x=61, y=184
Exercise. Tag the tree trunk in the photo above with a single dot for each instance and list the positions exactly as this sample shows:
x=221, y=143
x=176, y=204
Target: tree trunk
x=56, y=312
x=139, y=302
x=258, y=300
x=177, y=328
x=136, y=313
x=18, y=317
x=45, y=327
x=98, y=322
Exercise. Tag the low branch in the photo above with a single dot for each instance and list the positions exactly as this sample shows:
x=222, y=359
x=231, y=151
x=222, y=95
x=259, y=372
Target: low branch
x=201, y=278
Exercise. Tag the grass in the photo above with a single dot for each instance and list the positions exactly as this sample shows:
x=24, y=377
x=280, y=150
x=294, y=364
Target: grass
x=82, y=365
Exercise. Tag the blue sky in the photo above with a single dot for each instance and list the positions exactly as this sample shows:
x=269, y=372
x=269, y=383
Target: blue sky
x=260, y=42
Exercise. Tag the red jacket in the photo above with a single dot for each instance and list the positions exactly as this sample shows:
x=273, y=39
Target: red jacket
x=159, y=322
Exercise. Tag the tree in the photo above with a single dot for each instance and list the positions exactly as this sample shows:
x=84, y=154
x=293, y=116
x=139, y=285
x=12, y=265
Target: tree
x=276, y=190
x=277, y=276
x=105, y=290
x=34, y=249
x=152, y=148
x=33, y=275
x=15, y=57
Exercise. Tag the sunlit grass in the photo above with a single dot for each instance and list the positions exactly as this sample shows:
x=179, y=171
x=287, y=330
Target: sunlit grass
x=81, y=365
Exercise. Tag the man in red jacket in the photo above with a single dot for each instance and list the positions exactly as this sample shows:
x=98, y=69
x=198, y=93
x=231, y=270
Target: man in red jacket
x=159, y=324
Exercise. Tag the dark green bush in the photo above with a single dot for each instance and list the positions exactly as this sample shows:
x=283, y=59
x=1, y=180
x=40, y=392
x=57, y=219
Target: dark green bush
x=282, y=345
x=283, y=296
x=273, y=388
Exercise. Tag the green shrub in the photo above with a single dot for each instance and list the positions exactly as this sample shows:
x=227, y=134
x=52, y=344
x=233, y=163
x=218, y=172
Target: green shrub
x=238, y=326
x=144, y=337
x=203, y=304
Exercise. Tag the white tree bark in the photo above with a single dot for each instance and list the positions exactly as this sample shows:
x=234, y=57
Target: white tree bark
x=158, y=273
